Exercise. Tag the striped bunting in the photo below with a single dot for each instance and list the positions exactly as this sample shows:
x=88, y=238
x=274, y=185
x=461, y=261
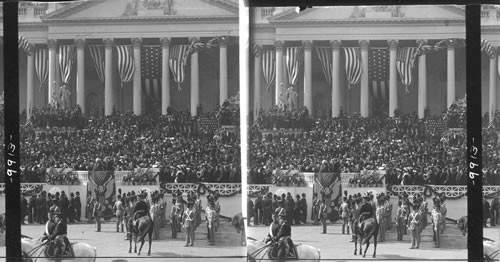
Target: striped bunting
x=151, y=71
x=178, y=63
x=256, y=50
x=487, y=48
x=352, y=65
x=25, y=45
x=378, y=73
x=269, y=67
x=67, y=57
x=42, y=66
x=325, y=57
x=405, y=61
x=125, y=63
x=97, y=55
x=292, y=62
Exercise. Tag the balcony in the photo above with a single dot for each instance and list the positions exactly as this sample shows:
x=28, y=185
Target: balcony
x=266, y=12
x=490, y=17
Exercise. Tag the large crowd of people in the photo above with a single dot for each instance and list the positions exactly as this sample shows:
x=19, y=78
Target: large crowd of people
x=410, y=151
x=177, y=144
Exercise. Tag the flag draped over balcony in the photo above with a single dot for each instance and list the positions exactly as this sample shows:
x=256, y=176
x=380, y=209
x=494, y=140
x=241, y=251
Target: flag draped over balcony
x=487, y=48
x=352, y=65
x=177, y=62
x=269, y=67
x=293, y=56
x=25, y=45
x=405, y=61
x=125, y=63
x=97, y=55
x=325, y=57
x=256, y=50
x=151, y=71
x=378, y=73
x=67, y=57
x=42, y=66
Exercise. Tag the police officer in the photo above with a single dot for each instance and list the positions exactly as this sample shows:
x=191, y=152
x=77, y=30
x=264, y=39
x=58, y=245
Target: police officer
x=284, y=235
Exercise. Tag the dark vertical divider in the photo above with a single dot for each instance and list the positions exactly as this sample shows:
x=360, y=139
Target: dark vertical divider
x=474, y=141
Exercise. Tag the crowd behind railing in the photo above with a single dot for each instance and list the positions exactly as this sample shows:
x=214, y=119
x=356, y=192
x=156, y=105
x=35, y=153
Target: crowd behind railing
x=176, y=143
x=411, y=153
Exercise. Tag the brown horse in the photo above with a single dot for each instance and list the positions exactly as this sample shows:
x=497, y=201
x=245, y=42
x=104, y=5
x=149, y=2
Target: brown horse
x=144, y=226
x=370, y=229
x=238, y=222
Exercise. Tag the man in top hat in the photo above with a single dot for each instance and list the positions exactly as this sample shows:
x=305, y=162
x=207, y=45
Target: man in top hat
x=141, y=208
x=59, y=234
x=284, y=235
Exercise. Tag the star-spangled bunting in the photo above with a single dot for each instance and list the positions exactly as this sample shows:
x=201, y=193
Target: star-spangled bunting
x=151, y=71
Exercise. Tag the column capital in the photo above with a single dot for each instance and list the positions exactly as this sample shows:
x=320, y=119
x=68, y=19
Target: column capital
x=421, y=42
x=108, y=42
x=165, y=41
x=393, y=43
x=136, y=42
x=191, y=39
x=450, y=43
x=364, y=43
x=307, y=44
x=335, y=43
x=80, y=43
x=52, y=43
x=223, y=41
x=279, y=45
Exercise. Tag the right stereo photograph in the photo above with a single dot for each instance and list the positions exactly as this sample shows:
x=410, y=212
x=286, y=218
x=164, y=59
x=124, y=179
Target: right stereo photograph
x=357, y=135
x=490, y=70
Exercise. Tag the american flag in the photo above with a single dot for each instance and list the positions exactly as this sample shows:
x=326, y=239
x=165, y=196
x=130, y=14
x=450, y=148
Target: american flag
x=352, y=65
x=293, y=55
x=269, y=67
x=67, y=57
x=325, y=57
x=378, y=72
x=42, y=65
x=97, y=55
x=256, y=50
x=487, y=48
x=125, y=63
x=25, y=45
x=151, y=71
x=405, y=62
x=177, y=62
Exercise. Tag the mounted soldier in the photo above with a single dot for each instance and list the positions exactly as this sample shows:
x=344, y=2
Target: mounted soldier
x=284, y=236
x=59, y=236
x=366, y=211
x=141, y=208
x=50, y=225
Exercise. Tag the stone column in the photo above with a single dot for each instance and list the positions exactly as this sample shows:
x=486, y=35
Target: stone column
x=257, y=71
x=307, y=75
x=80, y=73
x=108, y=76
x=365, y=94
x=52, y=44
x=165, y=75
x=450, y=94
x=195, y=83
x=30, y=85
x=493, y=85
x=137, y=82
x=223, y=92
x=279, y=71
x=336, y=90
x=422, y=83
x=393, y=84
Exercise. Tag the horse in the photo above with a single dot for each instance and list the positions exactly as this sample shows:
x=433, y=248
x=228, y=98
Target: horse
x=491, y=250
x=33, y=250
x=259, y=251
x=370, y=229
x=238, y=222
x=462, y=224
x=144, y=226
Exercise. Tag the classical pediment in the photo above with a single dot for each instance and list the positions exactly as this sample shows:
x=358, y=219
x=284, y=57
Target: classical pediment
x=109, y=9
x=371, y=13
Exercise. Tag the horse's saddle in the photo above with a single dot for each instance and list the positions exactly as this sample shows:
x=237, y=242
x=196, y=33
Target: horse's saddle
x=66, y=253
x=291, y=253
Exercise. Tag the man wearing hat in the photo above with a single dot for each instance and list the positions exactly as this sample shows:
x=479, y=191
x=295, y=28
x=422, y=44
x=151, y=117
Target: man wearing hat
x=366, y=210
x=211, y=218
x=59, y=235
x=284, y=235
x=50, y=225
x=141, y=208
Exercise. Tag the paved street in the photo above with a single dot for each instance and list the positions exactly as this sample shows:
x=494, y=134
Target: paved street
x=111, y=246
x=337, y=247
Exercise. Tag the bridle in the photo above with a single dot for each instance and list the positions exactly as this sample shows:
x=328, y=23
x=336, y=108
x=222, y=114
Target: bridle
x=32, y=251
x=258, y=251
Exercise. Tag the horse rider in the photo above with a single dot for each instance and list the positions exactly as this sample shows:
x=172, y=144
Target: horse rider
x=273, y=228
x=50, y=225
x=283, y=238
x=59, y=237
x=365, y=212
x=141, y=208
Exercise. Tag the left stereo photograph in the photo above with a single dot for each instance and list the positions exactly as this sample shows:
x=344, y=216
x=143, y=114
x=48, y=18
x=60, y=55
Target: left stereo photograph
x=130, y=144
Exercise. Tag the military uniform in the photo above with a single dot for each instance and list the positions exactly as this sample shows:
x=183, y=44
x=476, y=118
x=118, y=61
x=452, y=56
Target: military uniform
x=284, y=236
x=59, y=235
x=141, y=209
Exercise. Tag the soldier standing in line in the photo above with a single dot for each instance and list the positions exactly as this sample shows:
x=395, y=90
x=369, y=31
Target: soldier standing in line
x=323, y=214
x=188, y=223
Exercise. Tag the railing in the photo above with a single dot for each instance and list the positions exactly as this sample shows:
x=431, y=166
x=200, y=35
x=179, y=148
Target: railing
x=485, y=13
x=224, y=189
x=267, y=11
x=40, y=10
x=22, y=11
